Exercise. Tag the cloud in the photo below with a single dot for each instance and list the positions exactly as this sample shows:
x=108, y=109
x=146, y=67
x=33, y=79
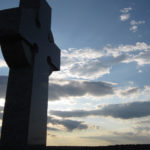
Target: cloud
x=129, y=91
x=82, y=63
x=142, y=58
x=145, y=122
x=60, y=89
x=122, y=138
x=135, y=24
x=126, y=49
x=139, y=53
x=133, y=28
x=3, y=64
x=91, y=64
x=126, y=10
x=69, y=125
x=125, y=15
x=94, y=69
x=142, y=129
x=122, y=111
x=65, y=89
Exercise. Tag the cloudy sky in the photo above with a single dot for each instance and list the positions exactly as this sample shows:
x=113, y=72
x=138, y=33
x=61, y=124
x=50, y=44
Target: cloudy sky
x=101, y=96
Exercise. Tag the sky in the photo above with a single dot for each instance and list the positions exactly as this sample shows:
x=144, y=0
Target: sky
x=101, y=96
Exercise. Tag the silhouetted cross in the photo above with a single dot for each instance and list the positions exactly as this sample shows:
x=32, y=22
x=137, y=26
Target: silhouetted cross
x=28, y=47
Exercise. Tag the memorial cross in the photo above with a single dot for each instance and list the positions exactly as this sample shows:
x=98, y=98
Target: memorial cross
x=28, y=47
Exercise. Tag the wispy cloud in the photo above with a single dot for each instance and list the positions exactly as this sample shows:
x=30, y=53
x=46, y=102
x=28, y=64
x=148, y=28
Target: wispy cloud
x=134, y=28
x=126, y=10
x=135, y=24
x=130, y=91
x=125, y=15
x=122, y=138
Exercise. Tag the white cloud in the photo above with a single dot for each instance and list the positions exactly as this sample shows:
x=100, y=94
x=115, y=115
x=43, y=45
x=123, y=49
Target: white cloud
x=140, y=71
x=90, y=64
x=133, y=28
x=126, y=53
x=124, y=17
x=126, y=49
x=143, y=58
x=2, y=102
x=126, y=10
x=2, y=63
x=135, y=24
x=92, y=69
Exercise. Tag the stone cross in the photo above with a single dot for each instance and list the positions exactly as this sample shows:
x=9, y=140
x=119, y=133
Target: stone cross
x=28, y=47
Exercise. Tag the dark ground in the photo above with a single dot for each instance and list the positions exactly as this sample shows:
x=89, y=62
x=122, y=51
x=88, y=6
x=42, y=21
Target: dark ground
x=117, y=147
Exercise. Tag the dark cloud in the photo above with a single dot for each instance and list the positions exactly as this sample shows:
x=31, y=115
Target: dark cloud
x=77, y=88
x=123, y=111
x=67, y=88
x=130, y=91
x=52, y=129
x=70, y=125
x=72, y=88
